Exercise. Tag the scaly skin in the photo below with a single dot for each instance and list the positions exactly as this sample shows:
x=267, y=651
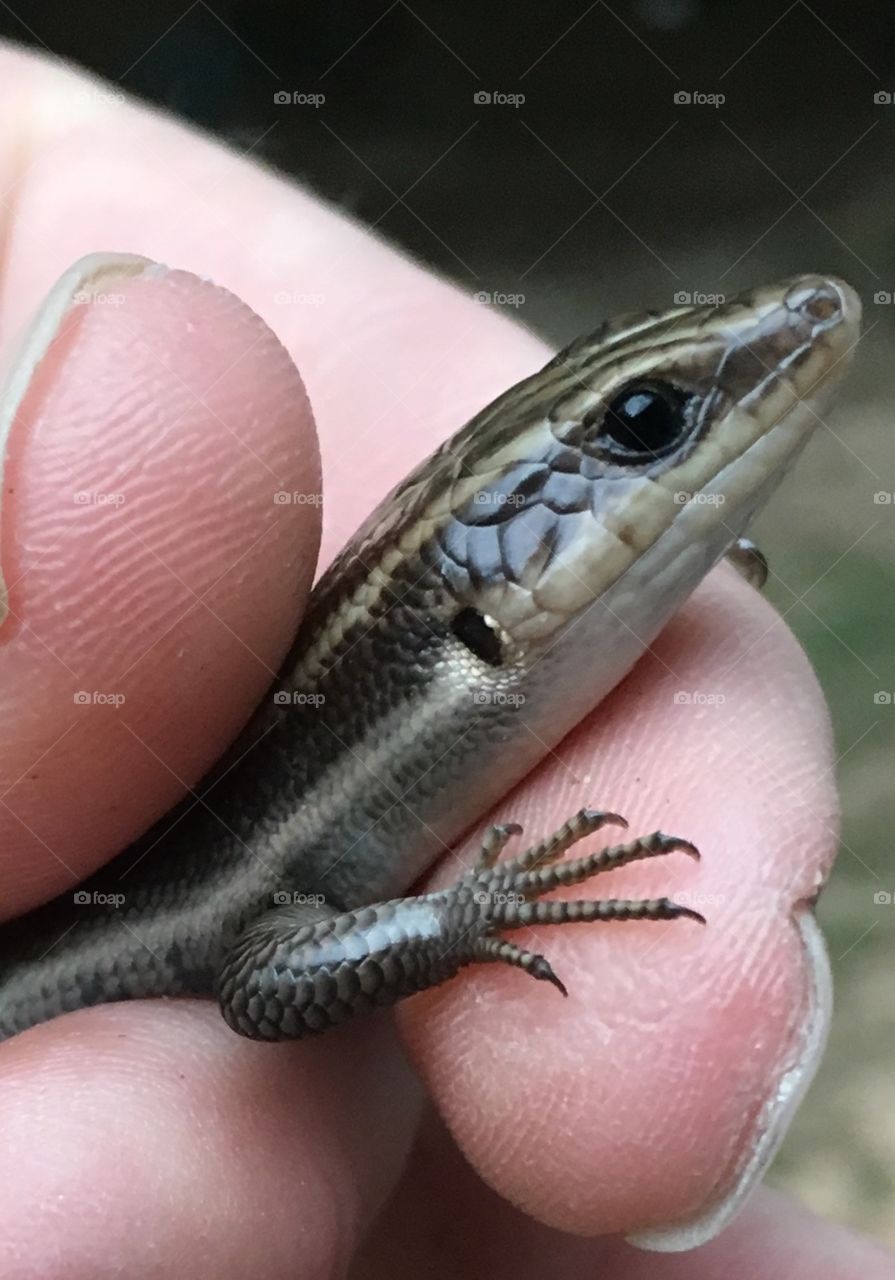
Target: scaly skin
x=487, y=604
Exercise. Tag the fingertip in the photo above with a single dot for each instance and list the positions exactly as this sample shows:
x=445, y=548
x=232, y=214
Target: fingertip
x=157, y=552
x=660, y=1014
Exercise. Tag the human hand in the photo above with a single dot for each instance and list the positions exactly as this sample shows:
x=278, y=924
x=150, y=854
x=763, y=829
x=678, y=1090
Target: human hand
x=148, y=1138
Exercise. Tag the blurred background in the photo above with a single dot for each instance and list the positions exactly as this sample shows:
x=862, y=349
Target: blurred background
x=572, y=160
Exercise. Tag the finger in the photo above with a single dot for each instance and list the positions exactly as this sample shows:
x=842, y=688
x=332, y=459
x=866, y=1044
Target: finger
x=148, y=1140
x=154, y=582
x=654, y=1095
x=418, y=1234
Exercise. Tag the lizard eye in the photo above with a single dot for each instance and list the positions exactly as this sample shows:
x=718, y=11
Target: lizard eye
x=645, y=421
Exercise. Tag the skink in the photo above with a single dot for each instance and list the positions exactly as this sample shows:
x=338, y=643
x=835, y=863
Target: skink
x=483, y=609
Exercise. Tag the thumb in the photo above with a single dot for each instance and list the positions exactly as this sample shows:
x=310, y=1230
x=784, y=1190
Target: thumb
x=154, y=577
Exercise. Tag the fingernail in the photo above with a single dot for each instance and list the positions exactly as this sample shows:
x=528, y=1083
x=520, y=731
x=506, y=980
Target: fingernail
x=774, y=1120
x=81, y=284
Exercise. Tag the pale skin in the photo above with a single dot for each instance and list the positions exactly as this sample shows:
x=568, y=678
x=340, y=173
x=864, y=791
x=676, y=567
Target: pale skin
x=136, y=1137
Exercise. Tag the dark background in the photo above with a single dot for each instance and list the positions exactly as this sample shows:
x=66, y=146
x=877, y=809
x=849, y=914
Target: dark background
x=599, y=173
x=600, y=192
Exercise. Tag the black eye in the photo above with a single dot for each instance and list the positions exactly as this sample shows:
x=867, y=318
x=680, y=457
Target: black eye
x=646, y=420
x=479, y=635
